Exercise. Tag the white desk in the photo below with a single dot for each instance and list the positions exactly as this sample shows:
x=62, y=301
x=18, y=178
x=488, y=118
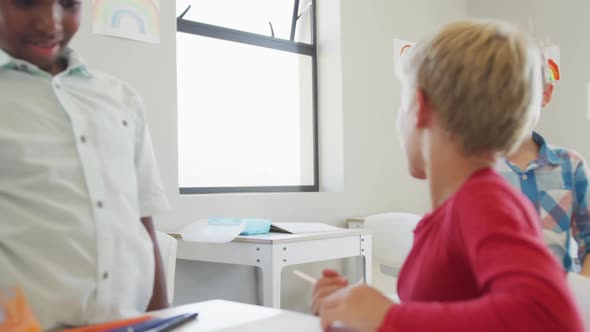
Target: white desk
x=272, y=252
x=218, y=315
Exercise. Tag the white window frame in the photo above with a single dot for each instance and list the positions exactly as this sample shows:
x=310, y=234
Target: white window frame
x=271, y=42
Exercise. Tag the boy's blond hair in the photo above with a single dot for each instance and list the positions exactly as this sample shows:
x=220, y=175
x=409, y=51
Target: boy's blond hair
x=483, y=79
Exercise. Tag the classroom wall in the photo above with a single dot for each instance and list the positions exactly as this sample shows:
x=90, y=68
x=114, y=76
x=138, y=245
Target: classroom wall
x=564, y=122
x=363, y=169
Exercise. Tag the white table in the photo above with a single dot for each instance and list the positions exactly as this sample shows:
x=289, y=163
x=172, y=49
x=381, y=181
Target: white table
x=218, y=315
x=273, y=251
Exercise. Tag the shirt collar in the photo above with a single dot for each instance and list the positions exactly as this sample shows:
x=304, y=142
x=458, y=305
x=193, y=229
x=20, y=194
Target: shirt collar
x=546, y=154
x=75, y=63
x=5, y=59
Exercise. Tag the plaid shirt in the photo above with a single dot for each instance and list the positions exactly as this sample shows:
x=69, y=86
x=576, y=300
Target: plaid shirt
x=557, y=184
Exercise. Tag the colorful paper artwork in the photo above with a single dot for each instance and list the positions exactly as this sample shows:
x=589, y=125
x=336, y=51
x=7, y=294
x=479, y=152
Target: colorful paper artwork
x=400, y=47
x=553, y=57
x=132, y=19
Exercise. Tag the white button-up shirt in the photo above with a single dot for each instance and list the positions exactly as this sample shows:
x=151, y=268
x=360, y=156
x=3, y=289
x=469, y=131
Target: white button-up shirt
x=77, y=171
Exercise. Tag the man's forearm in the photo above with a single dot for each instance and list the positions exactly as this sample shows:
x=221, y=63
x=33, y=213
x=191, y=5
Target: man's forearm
x=159, y=298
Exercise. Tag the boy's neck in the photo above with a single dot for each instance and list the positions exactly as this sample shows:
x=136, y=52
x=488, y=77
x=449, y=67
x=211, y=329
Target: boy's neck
x=448, y=170
x=527, y=152
x=58, y=66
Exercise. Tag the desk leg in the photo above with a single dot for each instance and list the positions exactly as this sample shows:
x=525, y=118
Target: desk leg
x=271, y=286
x=367, y=255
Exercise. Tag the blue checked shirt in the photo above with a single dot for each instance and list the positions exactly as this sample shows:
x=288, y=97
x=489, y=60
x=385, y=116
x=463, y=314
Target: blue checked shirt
x=557, y=184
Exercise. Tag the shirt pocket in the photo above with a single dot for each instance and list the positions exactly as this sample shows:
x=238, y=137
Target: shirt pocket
x=556, y=207
x=117, y=151
x=552, y=178
x=118, y=138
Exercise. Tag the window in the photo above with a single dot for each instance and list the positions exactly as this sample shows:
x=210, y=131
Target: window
x=247, y=98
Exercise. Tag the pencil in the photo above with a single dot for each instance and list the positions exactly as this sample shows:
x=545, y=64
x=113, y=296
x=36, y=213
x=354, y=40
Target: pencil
x=305, y=277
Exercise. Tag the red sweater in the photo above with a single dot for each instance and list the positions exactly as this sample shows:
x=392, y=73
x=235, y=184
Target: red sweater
x=479, y=264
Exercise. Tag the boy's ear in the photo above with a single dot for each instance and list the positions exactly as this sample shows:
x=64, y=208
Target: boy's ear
x=548, y=94
x=425, y=111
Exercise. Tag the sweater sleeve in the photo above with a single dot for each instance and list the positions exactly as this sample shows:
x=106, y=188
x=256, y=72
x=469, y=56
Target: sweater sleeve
x=581, y=215
x=523, y=287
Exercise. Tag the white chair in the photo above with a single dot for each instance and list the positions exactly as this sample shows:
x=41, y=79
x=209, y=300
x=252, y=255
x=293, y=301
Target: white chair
x=581, y=289
x=393, y=235
x=168, y=248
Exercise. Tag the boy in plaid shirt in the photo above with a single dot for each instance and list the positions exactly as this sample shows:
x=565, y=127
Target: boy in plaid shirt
x=556, y=181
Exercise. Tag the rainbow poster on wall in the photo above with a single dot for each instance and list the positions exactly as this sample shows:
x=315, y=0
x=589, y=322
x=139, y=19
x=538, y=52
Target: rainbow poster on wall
x=553, y=57
x=132, y=19
x=400, y=47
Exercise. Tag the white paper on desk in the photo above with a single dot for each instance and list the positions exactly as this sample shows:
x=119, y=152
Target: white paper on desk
x=302, y=227
x=207, y=232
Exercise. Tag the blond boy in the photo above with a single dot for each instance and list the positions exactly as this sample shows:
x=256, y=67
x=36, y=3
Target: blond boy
x=478, y=263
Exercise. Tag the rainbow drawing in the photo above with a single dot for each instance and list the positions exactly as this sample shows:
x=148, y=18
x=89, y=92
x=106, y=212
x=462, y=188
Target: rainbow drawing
x=554, y=74
x=400, y=48
x=134, y=19
x=404, y=48
x=552, y=54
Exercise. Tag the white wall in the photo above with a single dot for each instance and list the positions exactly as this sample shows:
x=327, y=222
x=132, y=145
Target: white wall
x=358, y=102
x=566, y=23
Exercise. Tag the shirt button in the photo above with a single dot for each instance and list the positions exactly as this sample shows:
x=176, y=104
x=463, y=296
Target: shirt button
x=83, y=139
x=99, y=204
x=124, y=123
x=105, y=276
x=57, y=86
x=524, y=177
